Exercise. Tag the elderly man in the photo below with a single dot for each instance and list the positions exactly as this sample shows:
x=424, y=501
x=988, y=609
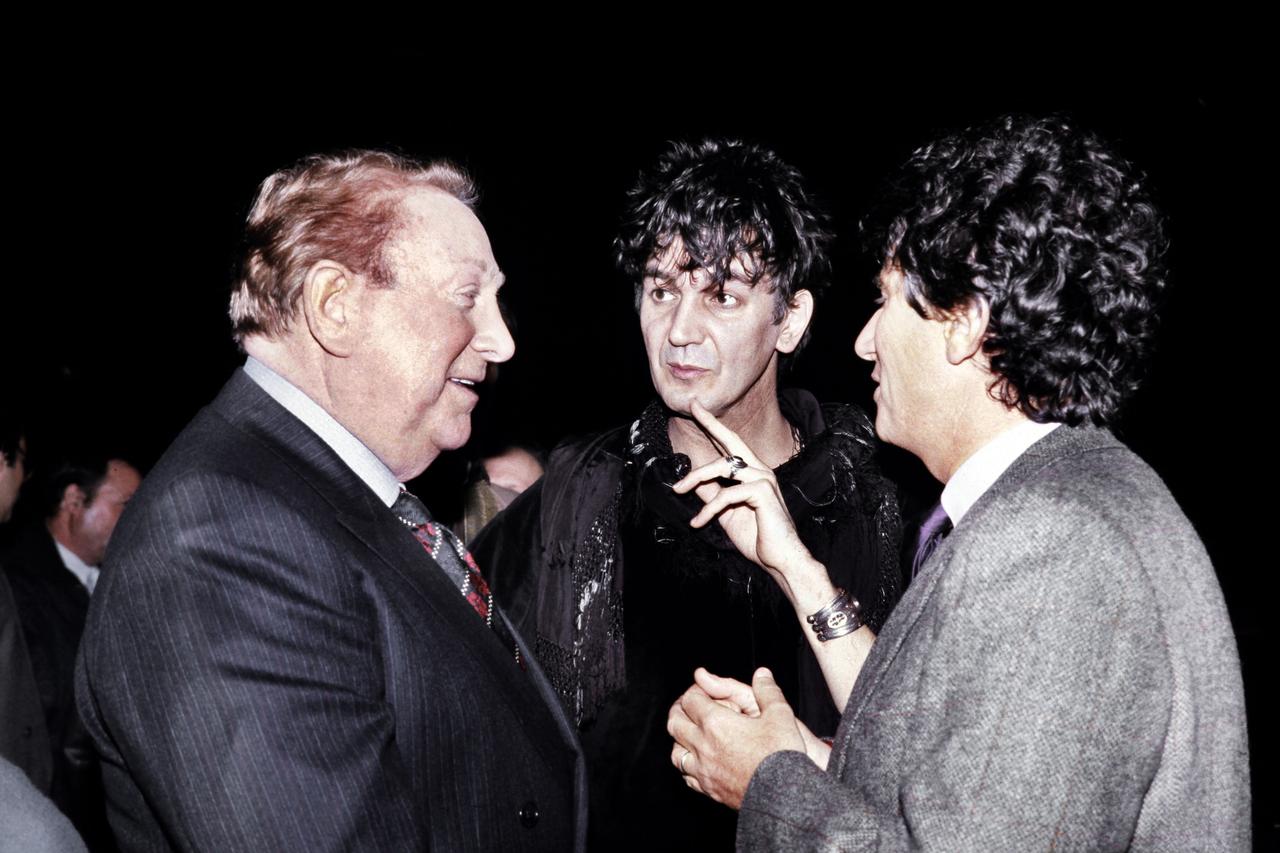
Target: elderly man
x=285, y=652
x=726, y=251
x=1062, y=673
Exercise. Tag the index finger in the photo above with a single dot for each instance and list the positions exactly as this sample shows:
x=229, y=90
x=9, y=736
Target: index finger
x=727, y=438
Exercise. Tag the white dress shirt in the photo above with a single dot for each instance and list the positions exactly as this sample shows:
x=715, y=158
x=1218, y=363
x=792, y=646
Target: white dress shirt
x=350, y=449
x=977, y=473
x=85, y=573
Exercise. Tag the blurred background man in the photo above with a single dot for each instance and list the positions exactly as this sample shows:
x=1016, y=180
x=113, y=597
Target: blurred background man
x=53, y=567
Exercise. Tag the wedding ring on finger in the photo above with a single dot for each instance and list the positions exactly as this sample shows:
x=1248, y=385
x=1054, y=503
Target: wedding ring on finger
x=736, y=464
x=684, y=758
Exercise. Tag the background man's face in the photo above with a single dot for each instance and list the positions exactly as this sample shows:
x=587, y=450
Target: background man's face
x=12, y=473
x=425, y=342
x=907, y=351
x=715, y=346
x=91, y=530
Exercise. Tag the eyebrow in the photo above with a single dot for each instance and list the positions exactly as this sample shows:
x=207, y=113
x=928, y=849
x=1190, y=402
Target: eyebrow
x=657, y=274
x=484, y=271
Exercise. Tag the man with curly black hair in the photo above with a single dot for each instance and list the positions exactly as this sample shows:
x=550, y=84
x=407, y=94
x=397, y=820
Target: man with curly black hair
x=1062, y=673
x=727, y=251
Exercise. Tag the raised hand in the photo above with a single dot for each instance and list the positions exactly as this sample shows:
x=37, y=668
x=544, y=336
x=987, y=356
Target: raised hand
x=752, y=512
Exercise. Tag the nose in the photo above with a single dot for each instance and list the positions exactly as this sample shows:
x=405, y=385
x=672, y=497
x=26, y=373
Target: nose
x=865, y=345
x=493, y=339
x=686, y=324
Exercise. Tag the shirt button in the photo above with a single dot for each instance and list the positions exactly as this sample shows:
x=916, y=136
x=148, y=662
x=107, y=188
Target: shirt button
x=529, y=815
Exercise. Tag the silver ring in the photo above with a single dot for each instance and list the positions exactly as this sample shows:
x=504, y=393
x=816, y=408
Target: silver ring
x=687, y=753
x=736, y=464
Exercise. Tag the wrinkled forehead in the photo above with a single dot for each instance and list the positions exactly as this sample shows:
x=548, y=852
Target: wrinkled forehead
x=437, y=229
x=672, y=259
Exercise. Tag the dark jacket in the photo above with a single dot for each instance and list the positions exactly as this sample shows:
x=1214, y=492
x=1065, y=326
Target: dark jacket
x=272, y=662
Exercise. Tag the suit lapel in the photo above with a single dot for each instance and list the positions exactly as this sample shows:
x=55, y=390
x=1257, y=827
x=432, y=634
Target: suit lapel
x=1062, y=442
x=357, y=509
x=525, y=691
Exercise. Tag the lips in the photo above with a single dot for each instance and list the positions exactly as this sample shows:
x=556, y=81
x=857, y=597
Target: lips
x=686, y=371
x=465, y=383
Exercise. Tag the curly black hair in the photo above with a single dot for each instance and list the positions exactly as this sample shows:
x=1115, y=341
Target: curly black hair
x=723, y=199
x=1061, y=238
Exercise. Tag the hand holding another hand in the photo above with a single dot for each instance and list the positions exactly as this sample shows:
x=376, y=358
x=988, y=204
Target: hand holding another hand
x=723, y=729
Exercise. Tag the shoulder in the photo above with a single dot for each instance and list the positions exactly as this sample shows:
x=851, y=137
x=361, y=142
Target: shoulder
x=589, y=449
x=583, y=469
x=230, y=506
x=1081, y=475
x=849, y=418
x=1086, y=518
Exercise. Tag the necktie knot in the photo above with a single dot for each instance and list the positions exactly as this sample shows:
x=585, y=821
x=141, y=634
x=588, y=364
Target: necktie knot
x=932, y=531
x=410, y=509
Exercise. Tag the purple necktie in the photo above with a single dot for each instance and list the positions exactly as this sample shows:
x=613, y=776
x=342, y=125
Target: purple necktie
x=932, y=531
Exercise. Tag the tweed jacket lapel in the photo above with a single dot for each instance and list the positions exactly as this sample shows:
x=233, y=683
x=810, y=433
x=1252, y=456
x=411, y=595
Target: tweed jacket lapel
x=1061, y=443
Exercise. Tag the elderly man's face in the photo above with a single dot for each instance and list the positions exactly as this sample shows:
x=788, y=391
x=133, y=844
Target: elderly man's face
x=427, y=340
x=718, y=347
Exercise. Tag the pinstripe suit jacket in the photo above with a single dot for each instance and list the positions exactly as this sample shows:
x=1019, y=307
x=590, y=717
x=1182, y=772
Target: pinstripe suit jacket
x=272, y=662
x=1061, y=675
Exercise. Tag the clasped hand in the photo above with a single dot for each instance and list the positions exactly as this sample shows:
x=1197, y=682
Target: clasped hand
x=723, y=729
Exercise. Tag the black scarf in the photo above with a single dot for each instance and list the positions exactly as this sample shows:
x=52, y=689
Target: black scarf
x=832, y=478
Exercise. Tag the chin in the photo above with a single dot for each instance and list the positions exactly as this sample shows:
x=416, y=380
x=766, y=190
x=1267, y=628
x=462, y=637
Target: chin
x=679, y=401
x=453, y=438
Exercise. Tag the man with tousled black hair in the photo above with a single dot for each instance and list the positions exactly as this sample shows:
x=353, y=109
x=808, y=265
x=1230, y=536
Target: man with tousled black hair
x=1062, y=672
x=727, y=252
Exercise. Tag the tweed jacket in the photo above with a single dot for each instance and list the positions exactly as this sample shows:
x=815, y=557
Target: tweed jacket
x=273, y=662
x=1061, y=675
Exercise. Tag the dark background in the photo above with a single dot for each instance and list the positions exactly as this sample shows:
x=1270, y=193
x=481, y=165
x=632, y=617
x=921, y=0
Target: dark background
x=136, y=183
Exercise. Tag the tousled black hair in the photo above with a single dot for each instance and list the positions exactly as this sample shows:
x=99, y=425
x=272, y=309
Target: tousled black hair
x=724, y=199
x=1059, y=236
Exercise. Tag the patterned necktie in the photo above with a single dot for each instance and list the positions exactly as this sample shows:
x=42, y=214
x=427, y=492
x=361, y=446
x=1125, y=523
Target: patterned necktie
x=451, y=555
x=932, y=531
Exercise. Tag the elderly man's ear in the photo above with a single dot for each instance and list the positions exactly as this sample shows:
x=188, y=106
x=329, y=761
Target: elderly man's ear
x=331, y=298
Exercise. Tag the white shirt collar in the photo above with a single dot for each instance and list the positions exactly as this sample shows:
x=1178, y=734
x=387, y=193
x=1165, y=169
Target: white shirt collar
x=977, y=473
x=351, y=450
x=85, y=573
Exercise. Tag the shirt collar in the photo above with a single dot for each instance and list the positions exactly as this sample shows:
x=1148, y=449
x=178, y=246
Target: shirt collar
x=359, y=458
x=972, y=479
x=85, y=573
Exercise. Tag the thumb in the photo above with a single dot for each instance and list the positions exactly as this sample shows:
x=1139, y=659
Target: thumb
x=767, y=691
